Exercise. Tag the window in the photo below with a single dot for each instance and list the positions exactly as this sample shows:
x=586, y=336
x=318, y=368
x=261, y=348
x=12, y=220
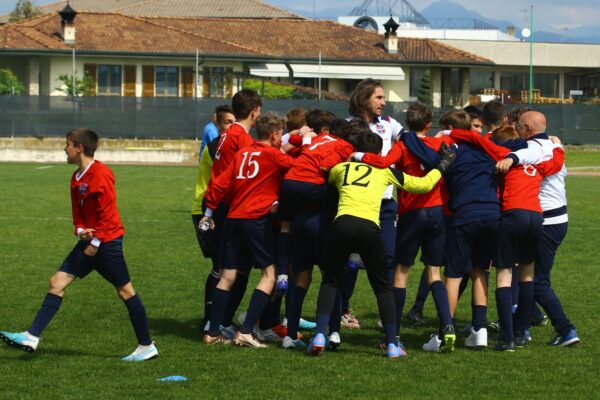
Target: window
x=217, y=82
x=167, y=81
x=416, y=76
x=109, y=80
x=479, y=80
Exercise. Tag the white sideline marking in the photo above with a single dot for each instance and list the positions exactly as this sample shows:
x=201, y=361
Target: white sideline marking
x=46, y=167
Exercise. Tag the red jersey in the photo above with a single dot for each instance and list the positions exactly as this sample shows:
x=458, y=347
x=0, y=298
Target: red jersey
x=325, y=151
x=253, y=179
x=94, y=202
x=407, y=162
x=520, y=187
x=230, y=141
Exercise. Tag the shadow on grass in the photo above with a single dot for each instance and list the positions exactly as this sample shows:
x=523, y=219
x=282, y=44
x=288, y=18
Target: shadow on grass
x=189, y=329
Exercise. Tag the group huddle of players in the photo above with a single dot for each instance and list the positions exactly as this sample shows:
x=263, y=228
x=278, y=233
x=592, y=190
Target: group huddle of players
x=365, y=192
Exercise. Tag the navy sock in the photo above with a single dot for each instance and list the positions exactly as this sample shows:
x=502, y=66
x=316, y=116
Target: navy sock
x=295, y=310
x=238, y=290
x=49, y=308
x=514, y=285
x=479, y=317
x=325, y=304
x=399, y=299
x=258, y=302
x=422, y=292
x=504, y=309
x=440, y=297
x=270, y=314
x=524, y=306
x=209, y=286
x=219, y=305
x=283, y=252
x=335, y=322
x=390, y=333
x=139, y=321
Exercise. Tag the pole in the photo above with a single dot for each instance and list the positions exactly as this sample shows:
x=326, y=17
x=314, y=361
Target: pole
x=319, y=74
x=196, y=77
x=73, y=75
x=531, y=55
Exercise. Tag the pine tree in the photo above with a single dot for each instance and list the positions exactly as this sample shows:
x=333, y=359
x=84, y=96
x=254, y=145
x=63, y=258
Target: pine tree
x=23, y=10
x=424, y=94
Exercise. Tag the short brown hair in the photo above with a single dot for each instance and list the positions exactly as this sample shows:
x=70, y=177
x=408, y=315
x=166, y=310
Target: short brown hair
x=85, y=137
x=244, y=102
x=457, y=119
x=359, y=99
x=268, y=123
x=513, y=115
x=296, y=118
x=418, y=115
x=319, y=120
x=222, y=110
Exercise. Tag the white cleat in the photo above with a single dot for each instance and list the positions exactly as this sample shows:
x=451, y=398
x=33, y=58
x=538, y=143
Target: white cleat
x=477, y=339
x=142, y=353
x=433, y=345
x=267, y=335
x=21, y=340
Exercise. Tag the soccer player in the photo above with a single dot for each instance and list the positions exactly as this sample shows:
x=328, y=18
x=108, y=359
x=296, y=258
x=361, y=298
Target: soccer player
x=356, y=229
x=420, y=225
x=252, y=180
x=206, y=238
x=100, y=247
x=367, y=101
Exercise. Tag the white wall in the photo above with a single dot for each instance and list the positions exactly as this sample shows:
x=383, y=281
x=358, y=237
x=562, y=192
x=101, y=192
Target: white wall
x=397, y=90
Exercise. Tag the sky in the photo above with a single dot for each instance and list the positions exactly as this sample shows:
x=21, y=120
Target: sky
x=548, y=14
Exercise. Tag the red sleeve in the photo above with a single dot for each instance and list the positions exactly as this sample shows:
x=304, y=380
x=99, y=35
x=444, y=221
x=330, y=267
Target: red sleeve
x=340, y=154
x=219, y=187
x=295, y=140
x=553, y=165
x=391, y=158
x=492, y=149
x=282, y=159
x=244, y=141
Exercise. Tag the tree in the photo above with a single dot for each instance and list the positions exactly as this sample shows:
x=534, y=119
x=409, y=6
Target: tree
x=83, y=87
x=424, y=94
x=23, y=10
x=9, y=83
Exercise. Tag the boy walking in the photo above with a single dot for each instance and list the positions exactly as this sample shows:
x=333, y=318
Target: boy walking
x=100, y=247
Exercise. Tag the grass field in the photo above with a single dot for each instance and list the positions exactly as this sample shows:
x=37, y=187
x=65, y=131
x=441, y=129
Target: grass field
x=79, y=356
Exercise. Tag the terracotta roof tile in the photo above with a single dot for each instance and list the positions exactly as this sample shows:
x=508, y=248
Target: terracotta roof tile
x=266, y=38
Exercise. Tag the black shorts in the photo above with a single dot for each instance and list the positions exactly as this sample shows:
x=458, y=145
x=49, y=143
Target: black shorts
x=296, y=196
x=247, y=243
x=421, y=228
x=518, y=234
x=108, y=261
x=470, y=246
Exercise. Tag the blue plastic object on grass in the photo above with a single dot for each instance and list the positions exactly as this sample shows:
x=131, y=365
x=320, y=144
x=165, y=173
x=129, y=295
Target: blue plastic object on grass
x=173, y=378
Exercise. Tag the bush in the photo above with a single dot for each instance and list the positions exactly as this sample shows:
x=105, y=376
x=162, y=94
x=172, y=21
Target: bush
x=9, y=83
x=83, y=87
x=271, y=90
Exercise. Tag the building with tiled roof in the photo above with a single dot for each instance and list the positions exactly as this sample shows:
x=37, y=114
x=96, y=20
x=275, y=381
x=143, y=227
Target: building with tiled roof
x=175, y=56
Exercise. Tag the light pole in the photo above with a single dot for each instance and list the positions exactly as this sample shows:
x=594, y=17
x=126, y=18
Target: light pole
x=531, y=55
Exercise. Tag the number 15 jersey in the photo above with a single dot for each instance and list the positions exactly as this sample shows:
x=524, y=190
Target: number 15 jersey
x=252, y=181
x=361, y=187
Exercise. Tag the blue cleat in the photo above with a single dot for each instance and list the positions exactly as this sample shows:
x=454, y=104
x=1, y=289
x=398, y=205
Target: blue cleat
x=282, y=285
x=396, y=350
x=569, y=339
x=21, y=340
x=306, y=325
x=317, y=345
x=142, y=353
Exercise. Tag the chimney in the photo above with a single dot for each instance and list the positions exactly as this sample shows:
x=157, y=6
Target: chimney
x=67, y=15
x=390, y=41
x=510, y=30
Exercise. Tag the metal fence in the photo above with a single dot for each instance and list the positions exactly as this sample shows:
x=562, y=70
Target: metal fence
x=183, y=118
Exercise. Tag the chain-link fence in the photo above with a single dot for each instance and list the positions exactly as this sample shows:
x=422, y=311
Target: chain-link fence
x=177, y=118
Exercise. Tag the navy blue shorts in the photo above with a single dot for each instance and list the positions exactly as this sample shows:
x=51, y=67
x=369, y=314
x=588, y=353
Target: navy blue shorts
x=518, y=234
x=470, y=246
x=421, y=228
x=388, y=213
x=248, y=242
x=309, y=234
x=296, y=196
x=108, y=261
x=216, y=235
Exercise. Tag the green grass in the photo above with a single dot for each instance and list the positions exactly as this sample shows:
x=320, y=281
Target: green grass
x=583, y=157
x=79, y=356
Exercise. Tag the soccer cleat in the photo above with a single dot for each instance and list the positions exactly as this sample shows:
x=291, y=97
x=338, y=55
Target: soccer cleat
x=355, y=262
x=433, y=345
x=282, y=284
x=306, y=325
x=280, y=330
x=448, y=339
x=142, y=353
x=415, y=316
x=349, y=320
x=477, y=340
x=21, y=340
x=289, y=343
x=395, y=350
x=541, y=320
x=494, y=325
x=569, y=339
x=228, y=331
x=248, y=340
x=334, y=341
x=467, y=329
x=210, y=340
x=317, y=345
x=267, y=335
x=501, y=345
